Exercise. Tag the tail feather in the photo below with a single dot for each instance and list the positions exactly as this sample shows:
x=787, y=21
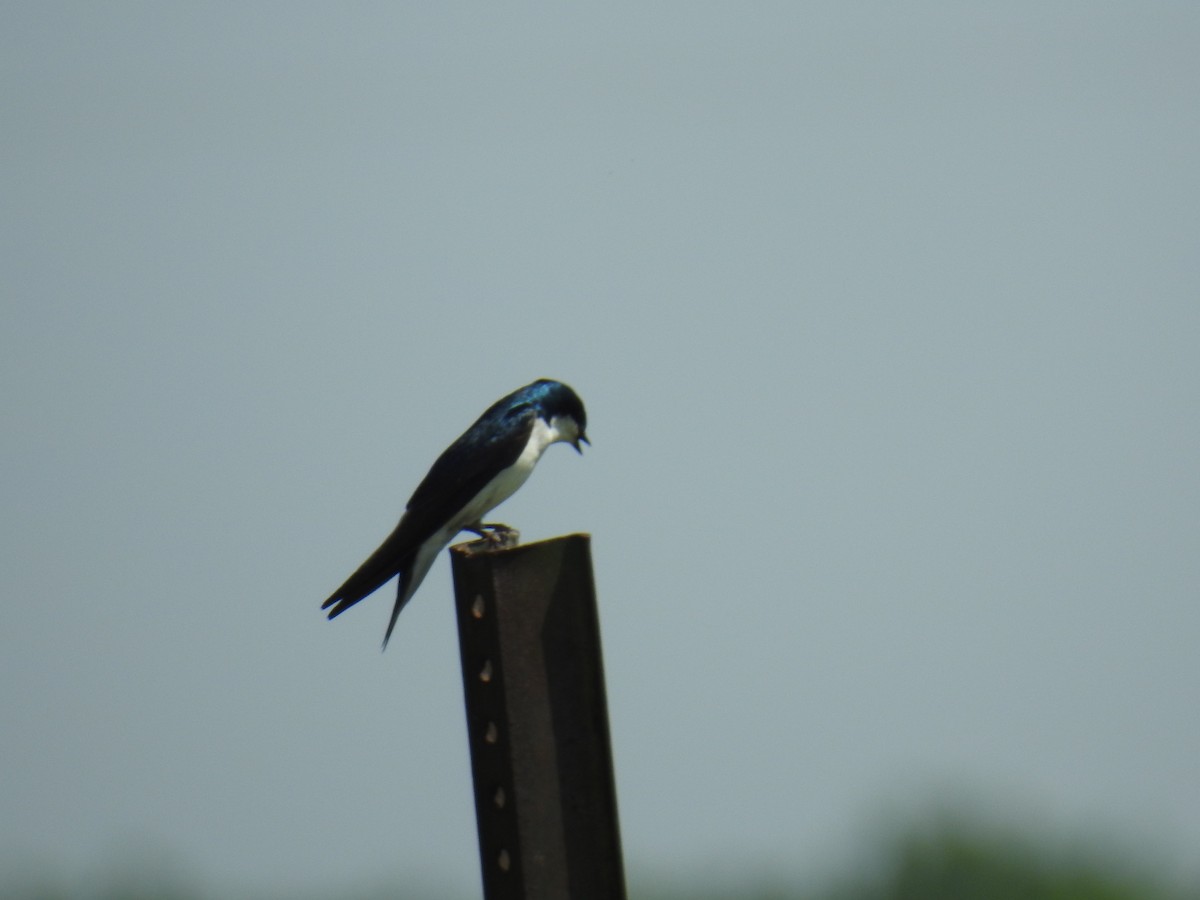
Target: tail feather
x=380, y=567
x=416, y=567
x=362, y=583
x=404, y=591
x=399, y=555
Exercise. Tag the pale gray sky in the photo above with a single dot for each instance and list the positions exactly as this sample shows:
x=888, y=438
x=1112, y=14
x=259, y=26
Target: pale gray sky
x=887, y=321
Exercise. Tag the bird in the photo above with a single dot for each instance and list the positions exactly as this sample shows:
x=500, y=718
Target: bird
x=479, y=471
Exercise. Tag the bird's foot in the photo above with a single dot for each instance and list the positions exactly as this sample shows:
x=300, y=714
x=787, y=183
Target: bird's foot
x=500, y=536
x=494, y=536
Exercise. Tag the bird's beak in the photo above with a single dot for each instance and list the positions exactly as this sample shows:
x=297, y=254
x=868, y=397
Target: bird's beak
x=575, y=443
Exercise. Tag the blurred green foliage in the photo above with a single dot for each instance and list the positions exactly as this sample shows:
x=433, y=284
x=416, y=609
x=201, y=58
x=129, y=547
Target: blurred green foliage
x=969, y=863
x=953, y=860
x=963, y=860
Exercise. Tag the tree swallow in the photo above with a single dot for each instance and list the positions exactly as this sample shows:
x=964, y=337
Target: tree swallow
x=474, y=475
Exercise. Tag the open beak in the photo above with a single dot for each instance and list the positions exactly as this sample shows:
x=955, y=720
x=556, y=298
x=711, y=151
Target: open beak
x=575, y=443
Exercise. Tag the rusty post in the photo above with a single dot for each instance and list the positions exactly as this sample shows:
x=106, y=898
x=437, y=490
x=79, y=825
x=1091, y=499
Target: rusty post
x=537, y=721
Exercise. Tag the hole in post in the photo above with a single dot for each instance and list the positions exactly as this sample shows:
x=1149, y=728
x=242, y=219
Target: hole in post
x=492, y=734
x=485, y=674
x=503, y=861
x=499, y=799
x=477, y=607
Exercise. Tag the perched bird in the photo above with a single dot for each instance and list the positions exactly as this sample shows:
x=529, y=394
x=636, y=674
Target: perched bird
x=474, y=475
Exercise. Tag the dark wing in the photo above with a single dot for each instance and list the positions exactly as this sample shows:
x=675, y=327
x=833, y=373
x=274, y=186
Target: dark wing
x=484, y=450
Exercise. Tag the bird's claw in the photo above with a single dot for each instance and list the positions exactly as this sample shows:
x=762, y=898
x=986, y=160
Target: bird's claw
x=494, y=536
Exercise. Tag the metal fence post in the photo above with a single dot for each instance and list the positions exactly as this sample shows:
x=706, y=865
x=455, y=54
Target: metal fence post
x=537, y=721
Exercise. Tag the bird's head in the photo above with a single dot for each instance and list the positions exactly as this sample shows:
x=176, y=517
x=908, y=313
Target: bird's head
x=563, y=411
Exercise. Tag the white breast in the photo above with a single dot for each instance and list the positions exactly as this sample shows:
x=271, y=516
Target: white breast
x=509, y=480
